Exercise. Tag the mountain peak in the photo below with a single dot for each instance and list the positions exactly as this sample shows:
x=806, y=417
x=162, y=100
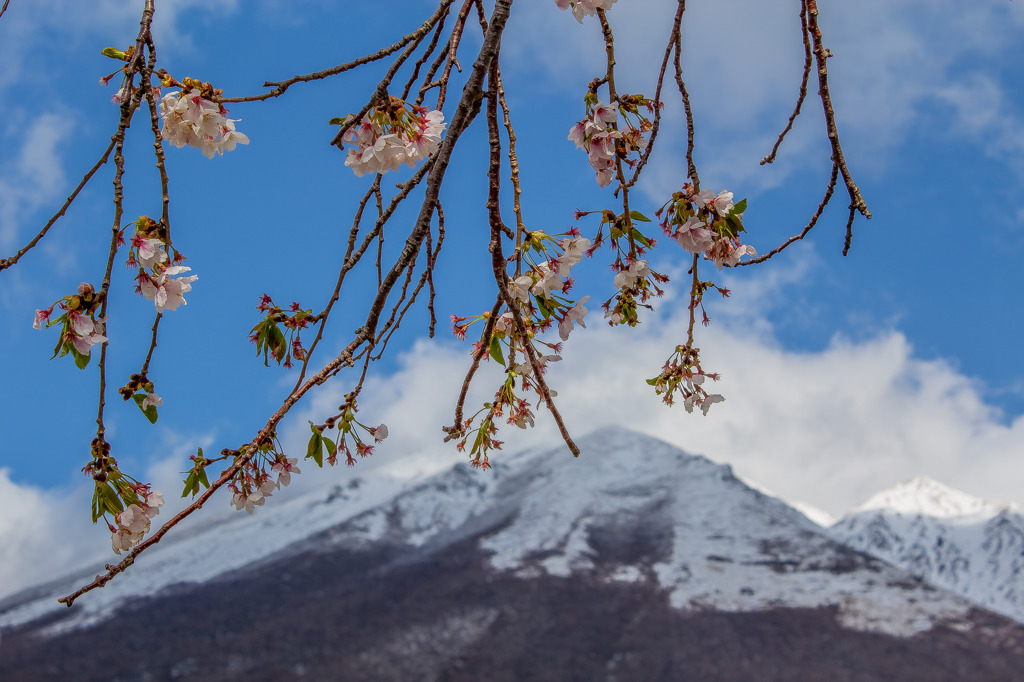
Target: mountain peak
x=927, y=497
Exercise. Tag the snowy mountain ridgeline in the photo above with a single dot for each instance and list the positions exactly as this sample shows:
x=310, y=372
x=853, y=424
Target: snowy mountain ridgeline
x=635, y=562
x=967, y=545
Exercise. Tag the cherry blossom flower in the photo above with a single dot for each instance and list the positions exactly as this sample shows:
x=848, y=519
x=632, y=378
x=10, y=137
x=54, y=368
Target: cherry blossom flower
x=84, y=344
x=722, y=204
x=379, y=433
x=573, y=314
x=518, y=289
x=584, y=8
x=626, y=279
x=165, y=291
x=248, y=501
x=42, y=318
x=547, y=281
x=151, y=251
x=285, y=467
x=726, y=253
x=574, y=250
x=694, y=236
x=152, y=399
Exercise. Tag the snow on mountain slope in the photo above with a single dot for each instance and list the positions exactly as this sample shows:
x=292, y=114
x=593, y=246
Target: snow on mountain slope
x=201, y=554
x=632, y=508
x=636, y=509
x=967, y=545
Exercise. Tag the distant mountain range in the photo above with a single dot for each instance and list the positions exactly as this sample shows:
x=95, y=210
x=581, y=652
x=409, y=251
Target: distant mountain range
x=966, y=545
x=637, y=561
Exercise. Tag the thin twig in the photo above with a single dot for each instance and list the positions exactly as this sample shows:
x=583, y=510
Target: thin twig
x=280, y=87
x=8, y=262
x=803, y=85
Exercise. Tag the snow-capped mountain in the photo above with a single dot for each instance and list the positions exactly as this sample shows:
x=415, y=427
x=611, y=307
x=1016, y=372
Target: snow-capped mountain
x=964, y=544
x=636, y=561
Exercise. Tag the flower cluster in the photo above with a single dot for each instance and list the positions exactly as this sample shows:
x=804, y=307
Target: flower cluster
x=393, y=133
x=682, y=374
x=709, y=224
x=81, y=329
x=191, y=118
x=598, y=134
x=549, y=276
x=132, y=524
x=157, y=280
x=254, y=481
x=584, y=8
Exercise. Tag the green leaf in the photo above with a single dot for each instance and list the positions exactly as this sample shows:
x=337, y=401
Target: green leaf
x=331, y=447
x=191, y=485
x=637, y=215
x=315, y=449
x=496, y=350
x=148, y=410
x=638, y=236
x=336, y=121
x=740, y=207
x=108, y=500
x=277, y=343
x=542, y=306
x=653, y=382
x=114, y=53
x=81, y=361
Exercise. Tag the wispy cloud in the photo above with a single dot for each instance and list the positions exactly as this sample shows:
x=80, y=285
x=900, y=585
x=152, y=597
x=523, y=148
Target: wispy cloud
x=33, y=178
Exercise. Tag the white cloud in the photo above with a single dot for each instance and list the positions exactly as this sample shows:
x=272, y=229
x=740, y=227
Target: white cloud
x=829, y=427
x=897, y=66
x=43, y=533
x=34, y=178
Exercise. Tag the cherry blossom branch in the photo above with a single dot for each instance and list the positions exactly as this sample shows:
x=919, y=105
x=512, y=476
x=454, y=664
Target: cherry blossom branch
x=468, y=107
x=279, y=87
x=4, y=8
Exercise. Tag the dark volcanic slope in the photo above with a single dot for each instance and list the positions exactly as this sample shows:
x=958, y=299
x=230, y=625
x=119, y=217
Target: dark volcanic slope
x=386, y=615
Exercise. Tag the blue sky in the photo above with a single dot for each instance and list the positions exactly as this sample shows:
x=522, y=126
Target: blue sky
x=842, y=375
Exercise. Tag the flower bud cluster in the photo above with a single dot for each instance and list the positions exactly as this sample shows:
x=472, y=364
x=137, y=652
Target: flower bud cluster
x=584, y=8
x=348, y=439
x=271, y=341
x=393, y=133
x=190, y=118
x=81, y=328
